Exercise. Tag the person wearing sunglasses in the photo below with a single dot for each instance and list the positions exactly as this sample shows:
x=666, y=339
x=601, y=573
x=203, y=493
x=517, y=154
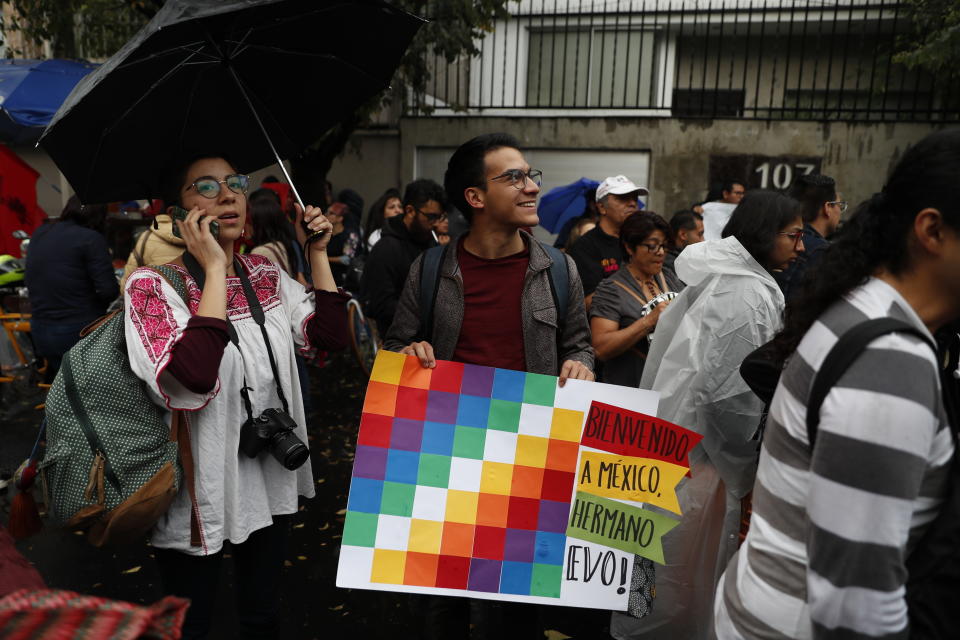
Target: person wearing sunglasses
x=822, y=211
x=224, y=363
x=403, y=239
x=730, y=306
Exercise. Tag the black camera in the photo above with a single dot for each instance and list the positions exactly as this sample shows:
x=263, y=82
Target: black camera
x=273, y=428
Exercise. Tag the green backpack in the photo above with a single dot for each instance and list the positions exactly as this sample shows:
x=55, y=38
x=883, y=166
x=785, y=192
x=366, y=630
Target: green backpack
x=112, y=464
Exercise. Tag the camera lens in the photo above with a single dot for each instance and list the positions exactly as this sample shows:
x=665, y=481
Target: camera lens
x=290, y=451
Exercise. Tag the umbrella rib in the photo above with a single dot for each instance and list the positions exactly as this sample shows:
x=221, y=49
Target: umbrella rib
x=240, y=44
x=171, y=51
x=186, y=117
x=147, y=93
x=322, y=56
x=298, y=17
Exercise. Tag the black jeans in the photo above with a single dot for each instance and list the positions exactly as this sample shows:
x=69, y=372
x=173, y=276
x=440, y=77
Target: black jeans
x=452, y=618
x=258, y=565
x=53, y=340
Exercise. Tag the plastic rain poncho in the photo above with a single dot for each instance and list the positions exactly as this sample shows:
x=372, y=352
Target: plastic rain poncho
x=730, y=307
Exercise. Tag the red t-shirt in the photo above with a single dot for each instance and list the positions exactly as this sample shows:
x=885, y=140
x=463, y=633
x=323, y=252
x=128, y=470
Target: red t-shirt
x=492, y=331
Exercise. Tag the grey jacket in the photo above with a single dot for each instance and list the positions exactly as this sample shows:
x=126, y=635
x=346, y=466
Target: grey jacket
x=540, y=340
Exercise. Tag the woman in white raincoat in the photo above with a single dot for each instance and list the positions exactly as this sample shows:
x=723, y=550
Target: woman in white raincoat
x=730, y=307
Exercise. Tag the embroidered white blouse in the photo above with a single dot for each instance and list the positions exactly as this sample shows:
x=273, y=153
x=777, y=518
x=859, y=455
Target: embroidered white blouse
x=236, y=495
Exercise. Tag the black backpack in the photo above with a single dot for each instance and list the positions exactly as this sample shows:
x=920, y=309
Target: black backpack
x=933, y=585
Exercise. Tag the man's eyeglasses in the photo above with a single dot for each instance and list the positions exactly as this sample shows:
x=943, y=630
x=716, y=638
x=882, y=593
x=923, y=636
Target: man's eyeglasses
x=839, y=203
x=654, y=248
x=432, y=217
x=210, y=187
x=796, y=235
x=518, y=177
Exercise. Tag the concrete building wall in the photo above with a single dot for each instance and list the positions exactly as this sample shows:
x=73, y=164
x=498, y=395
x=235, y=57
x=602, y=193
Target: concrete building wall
x=857, y=155
x=369, y=165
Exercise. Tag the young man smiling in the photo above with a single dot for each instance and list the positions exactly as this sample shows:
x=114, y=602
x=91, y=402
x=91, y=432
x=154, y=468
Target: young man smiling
x=494, y=305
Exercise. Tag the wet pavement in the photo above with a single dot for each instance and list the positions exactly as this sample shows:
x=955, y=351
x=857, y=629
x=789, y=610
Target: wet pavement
x=312, y=606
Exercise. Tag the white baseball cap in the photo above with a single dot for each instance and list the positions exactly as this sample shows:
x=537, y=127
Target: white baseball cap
x=619, y=185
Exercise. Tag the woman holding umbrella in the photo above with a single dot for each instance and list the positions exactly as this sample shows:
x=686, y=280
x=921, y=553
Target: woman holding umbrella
x=207, y=358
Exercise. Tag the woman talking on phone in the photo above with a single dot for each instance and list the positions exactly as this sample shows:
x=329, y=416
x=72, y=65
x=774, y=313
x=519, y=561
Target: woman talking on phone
x=226, y=360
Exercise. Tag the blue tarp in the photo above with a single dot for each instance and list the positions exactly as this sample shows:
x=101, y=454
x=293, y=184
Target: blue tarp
x=563, y=203
x=31, y=91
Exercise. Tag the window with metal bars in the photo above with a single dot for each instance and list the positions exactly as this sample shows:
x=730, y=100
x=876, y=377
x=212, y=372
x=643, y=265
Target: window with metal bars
x=591, y=68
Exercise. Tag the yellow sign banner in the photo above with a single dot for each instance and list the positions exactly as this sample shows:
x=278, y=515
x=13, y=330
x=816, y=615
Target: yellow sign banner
x=628, y=478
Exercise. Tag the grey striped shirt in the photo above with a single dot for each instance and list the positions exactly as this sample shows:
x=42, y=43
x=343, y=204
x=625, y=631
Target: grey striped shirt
x=824, y=557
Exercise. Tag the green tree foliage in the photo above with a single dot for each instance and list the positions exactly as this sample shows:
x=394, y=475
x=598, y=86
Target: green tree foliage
x=934, y=42
x=89, y=29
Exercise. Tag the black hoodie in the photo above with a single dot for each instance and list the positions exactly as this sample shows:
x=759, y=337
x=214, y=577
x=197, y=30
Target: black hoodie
x=386, y=270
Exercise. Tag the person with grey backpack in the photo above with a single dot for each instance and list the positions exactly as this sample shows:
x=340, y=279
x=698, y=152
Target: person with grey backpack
x=856, y=504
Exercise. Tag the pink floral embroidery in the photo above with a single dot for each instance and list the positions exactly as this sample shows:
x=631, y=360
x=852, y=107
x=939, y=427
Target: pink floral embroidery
x=152, y=316
x=264, y=278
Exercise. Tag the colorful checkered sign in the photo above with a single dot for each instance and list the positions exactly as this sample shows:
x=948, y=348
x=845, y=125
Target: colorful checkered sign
x=463, y=484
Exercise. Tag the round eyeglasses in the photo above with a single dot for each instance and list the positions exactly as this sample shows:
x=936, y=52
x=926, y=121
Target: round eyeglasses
x=210, y=187
x=518, y=177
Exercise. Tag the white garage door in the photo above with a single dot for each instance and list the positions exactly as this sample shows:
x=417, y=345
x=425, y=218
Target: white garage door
x=559, y=166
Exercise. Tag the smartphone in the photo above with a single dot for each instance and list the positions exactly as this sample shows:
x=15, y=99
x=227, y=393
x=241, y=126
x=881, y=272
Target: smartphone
x=179, y=213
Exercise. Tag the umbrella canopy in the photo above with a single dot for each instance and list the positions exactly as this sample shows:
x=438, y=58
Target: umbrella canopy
x=31, y=91
x=563, y=203
x=246, y=79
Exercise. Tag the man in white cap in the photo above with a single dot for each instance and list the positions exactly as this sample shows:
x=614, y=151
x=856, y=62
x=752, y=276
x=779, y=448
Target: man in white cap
x=598, y=253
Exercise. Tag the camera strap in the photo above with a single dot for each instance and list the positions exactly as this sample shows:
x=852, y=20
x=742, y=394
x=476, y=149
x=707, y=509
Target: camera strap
x=256, y=311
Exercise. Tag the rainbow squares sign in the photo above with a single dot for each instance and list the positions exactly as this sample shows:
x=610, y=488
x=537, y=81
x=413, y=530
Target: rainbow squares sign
x=482, y=482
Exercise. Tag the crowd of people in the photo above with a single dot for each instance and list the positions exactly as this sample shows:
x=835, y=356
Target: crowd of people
x=782, y=536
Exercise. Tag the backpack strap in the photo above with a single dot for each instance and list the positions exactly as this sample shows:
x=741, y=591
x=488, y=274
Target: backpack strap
x=559, y=283
x=180, y=433
x=429, y=285
x=93, y=438
x=850, y=345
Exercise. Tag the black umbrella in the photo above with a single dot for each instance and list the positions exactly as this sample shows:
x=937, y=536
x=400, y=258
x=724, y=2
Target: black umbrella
x=253, y=80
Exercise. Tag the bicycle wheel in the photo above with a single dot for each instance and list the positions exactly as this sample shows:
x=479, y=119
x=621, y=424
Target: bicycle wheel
x=363, y=337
